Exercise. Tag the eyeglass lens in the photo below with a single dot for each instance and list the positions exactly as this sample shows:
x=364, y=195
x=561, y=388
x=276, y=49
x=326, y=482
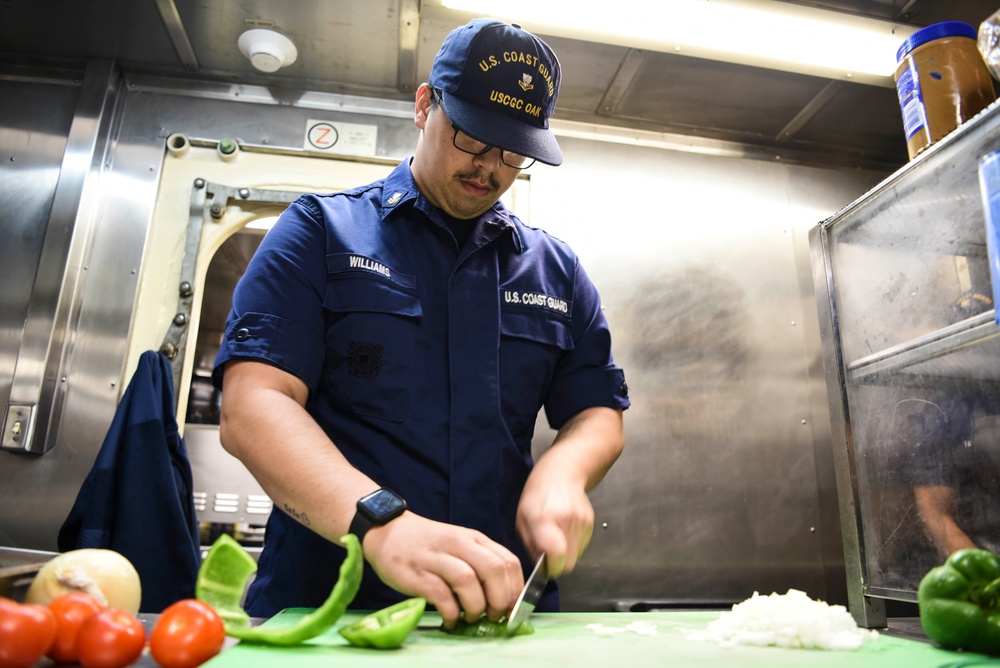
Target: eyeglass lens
x=469, y=144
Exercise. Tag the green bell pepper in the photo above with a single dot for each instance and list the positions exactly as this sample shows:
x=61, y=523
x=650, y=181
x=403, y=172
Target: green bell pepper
x=223, y=576
x=484, y=628
x=960, y=602
x=388, y=627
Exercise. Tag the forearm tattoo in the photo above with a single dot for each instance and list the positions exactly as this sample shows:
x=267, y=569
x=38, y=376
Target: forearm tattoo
x=302, y=518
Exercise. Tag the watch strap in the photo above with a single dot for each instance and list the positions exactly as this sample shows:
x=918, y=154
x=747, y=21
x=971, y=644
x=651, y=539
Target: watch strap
x=360, y=526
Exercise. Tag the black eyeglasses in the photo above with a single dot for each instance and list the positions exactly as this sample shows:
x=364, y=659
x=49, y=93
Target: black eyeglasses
x=469, y=144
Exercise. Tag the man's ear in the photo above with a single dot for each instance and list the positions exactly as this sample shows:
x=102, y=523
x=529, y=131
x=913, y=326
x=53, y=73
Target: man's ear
x=422, y=105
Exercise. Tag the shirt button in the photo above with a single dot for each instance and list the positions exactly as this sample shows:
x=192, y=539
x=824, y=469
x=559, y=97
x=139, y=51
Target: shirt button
x=242, y=334
x=624, y=389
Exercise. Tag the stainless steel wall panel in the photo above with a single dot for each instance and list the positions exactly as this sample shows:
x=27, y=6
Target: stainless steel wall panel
x=705, y=281
x=829, y=529
x=34, y=389
x=263, y=117
x=34, y=131
x=31, y=149
x=94, y=376
x=109, y=231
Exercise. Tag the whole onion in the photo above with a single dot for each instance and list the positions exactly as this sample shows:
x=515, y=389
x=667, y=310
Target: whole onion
x=104, y=574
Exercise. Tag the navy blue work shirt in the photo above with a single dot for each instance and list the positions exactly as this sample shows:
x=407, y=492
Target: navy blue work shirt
x=427, y=364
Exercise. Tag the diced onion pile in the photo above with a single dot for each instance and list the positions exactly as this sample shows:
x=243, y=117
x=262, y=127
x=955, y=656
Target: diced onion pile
x=791, y=620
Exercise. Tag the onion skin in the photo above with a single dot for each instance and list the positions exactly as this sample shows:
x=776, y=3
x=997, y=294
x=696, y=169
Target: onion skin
x=104, y=574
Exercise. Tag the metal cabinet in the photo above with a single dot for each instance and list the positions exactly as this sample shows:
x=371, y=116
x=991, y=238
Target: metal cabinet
x=911, y=352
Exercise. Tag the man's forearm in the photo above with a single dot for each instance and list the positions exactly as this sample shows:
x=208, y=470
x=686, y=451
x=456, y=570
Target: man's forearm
x=588, y=444
x=265, y=425
x=936, y=506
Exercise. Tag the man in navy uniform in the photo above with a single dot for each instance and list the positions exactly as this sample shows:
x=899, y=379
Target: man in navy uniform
x=390, y=347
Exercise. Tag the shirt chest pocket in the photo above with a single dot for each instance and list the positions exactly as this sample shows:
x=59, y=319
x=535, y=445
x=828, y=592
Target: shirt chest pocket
x=371, y=334
x=531, y=345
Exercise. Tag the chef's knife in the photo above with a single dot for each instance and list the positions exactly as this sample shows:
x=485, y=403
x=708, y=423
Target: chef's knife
x=529, y=597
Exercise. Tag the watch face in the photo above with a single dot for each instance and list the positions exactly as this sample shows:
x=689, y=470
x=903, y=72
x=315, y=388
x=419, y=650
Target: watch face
x=383, y=504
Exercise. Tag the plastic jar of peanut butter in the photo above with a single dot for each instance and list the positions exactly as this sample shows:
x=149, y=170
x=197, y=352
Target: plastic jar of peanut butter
x=941, y=81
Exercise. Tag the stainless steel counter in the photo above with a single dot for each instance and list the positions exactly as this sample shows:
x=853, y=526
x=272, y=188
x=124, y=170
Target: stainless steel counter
x=18, y=568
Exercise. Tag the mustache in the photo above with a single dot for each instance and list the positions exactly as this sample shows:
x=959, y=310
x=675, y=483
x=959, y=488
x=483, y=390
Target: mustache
x=478, y=176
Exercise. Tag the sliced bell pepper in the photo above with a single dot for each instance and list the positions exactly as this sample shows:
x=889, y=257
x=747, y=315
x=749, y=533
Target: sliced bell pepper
x=484, y=628
x=223, y=576
x=960, y=602
x=386, y=628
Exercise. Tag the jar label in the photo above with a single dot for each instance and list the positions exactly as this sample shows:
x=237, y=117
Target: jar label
x=911, y=101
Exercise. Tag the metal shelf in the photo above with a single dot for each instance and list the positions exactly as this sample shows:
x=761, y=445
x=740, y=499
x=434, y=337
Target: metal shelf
x=959, y=350
x=888, y=271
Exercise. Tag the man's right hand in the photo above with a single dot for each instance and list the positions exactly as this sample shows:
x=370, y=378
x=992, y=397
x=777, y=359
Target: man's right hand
x=459, y=571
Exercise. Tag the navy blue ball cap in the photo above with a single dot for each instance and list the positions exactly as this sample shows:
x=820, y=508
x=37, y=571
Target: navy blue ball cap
x=499, y=84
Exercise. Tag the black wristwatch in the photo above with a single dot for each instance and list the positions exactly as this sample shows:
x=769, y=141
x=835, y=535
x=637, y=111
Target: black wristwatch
x=376, y=509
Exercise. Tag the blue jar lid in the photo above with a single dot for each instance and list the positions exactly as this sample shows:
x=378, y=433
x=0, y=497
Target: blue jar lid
x=933, y=32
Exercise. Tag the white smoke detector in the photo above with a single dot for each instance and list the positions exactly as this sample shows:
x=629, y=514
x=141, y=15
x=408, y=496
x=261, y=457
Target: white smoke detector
x=267, y=50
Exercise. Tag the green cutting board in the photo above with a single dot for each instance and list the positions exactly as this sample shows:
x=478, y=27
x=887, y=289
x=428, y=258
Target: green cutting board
x=562, y=640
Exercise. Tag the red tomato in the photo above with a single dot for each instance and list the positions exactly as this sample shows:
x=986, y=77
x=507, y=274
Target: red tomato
x=26, y=633
x=111, y=638
x=187, y=634
x=71, y=611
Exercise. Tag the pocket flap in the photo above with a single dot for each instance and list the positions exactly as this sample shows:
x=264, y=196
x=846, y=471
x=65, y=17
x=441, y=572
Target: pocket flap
x=359, y=292
x=538, y=326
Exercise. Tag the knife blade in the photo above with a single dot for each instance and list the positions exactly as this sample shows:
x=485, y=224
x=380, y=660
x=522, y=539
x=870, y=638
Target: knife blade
x=529, y=597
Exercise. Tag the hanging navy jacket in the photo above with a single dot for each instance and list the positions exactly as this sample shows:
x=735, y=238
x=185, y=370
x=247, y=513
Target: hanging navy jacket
x=137, y=498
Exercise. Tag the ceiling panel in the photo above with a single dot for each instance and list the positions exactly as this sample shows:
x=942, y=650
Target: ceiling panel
x=917, y=12
x=107, y=29
x=350, y=43
x=691, y=93
x=864, y=117
x=356, y=46
x=587, y=71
